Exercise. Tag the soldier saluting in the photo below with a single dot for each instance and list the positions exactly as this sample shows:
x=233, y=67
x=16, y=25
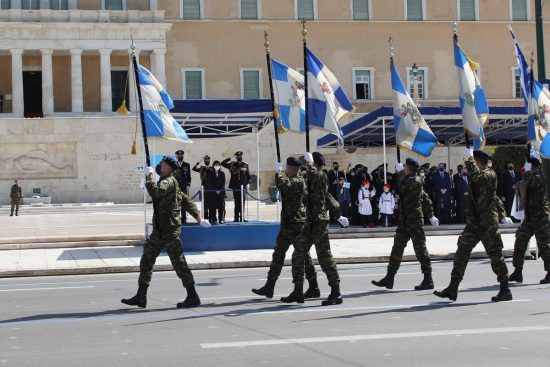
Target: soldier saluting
x=240, y=176
x=167, y=200
x=203, y=172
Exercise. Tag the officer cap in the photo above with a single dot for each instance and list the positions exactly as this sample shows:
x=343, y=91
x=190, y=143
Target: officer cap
x=412, y=163
x=426, y=166
x=318, y=159
x=207, y=157
x=294, y=162
x=480, y=154
x=179, y=152
x=170, y=161
x=239, y=153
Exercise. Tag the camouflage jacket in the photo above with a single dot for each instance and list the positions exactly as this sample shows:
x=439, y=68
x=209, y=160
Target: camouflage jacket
x=16, y=192
x=411, y=198
x=536, y=204
x=168, y=200
x=319, y=201
x=481, y=204
x=293, y=193
x=427, y=205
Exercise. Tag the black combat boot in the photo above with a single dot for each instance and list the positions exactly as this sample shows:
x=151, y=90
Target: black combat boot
x=546, y=279
x=334, y=298
x=387, y=281
x=517, y=275
x=427, y=283
x=266, y=290
x=192, y=299
x=504, y=294
x=451, y=292
x=313, y=290
x=297, y=294
x=140, y=299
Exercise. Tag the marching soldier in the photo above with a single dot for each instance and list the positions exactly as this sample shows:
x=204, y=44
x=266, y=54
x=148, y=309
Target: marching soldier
x=482, y=219
x=533, y=188
x=167, y=201
x=293, y=215
x=240, y=176
x=183, y=176
x=413, y=202
x=16, y=196
x=315, y=231
x=203, y=172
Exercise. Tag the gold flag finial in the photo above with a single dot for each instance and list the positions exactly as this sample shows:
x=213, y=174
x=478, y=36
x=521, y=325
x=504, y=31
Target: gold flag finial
x=304, y=30
x=532, y=59
x=266, y=43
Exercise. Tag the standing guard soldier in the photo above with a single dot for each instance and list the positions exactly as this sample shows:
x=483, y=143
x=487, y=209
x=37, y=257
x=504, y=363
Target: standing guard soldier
x=315, y=231
x=16, y=196
x=293, y=216
x=413, y=202
x=481, y=225
x=532, y=189
x=183, y=176
x=240, y=176
x=203, y=172
x=167, y=201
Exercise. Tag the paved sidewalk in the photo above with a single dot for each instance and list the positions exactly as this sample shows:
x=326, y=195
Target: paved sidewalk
x=126, y=258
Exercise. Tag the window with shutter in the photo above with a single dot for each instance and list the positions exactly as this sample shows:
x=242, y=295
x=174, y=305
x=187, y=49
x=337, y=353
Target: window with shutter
x=519, y=10
x=361, y=9
x=113, y=5
x=414, y=10
x=251, y=84
x=467, y=9
x=191, y=9
x=305, y=9
x=30, y=4
x=518, y=92
x=59, y=4
x=249, y=9
x=193, y=84
x=421, y=85
x=5, y=4
x=362, y=84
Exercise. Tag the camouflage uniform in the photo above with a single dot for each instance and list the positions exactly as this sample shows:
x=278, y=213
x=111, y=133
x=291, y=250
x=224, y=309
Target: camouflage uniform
x=482, y=217
x=414, y=202
x=15, y=196
x=535, y=222
x=293, y=192
x=315, y=230
x=167, y=200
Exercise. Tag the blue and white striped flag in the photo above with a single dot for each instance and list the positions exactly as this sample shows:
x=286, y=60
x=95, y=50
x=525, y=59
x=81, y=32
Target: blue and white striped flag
x=473, y=102
x=289, y=95
x=412, y=133
x=157, y=104
x=524, y=71
x=539, y=119
x=327, y=101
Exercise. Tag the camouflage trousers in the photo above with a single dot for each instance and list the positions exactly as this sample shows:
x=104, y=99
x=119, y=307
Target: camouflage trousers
x=524, y=233
x=15, y=205
x=405, y=232
x=286, y=237
x=315, y=233
x=152, y=249
x=488, y=234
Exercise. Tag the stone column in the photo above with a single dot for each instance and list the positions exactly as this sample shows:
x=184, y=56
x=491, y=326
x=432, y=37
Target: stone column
x=76, y=80
x=158, y=67
x=17, y=101
x=153, y=5
x=47, y=81
x=132, y=91
x=106, y=92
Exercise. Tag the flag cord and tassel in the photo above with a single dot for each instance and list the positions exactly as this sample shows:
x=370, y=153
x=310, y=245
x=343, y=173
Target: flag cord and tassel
x=275, y=113
x=304, y=38
x=123, y=110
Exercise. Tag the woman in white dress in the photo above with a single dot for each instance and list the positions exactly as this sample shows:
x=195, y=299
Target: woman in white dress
x=386, y=206
x=364, y=198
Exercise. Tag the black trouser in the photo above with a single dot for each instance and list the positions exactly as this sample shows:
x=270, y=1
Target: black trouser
x=239, y=217
x=344, y=208
x=217, y=203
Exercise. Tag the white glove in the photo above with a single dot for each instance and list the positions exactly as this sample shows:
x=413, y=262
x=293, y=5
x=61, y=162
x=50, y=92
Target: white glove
x=149, y=170
x=527, y=166
x=343, y=221
x=308, y=157
x=278, y=167
x=468, y=152
x=503, y=199
x=506, y=220
x=399, y=167
x=248, y=186
x=205, y=224
x=434, y=221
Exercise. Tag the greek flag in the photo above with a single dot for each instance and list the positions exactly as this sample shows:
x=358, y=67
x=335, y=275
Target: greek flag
x=473, y=102
x=412, y=133
x=539, y=119
x=327, y=102
x=524, y=71
x=156, y=109
x=289, y=95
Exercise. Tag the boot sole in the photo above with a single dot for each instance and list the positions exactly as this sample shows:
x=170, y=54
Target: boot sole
x=140, y=305
x=268, y=296
x=494, y=299
x=191, y=305
x=438, y=294
x=291, y=301
x=381, y=285
x=338, y=301
x=419, y=288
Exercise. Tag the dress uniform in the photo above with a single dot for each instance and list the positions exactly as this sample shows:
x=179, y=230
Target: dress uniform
x=183, y=176
x=168, y=200
x=293, y=216
x=482, y=219
x=15, y=195
x=240, y=176
x=203, y=172
x=532, y=190
x=315, y=231
x=413, y=202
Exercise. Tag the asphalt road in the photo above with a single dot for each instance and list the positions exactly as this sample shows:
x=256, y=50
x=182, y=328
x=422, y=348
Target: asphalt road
x=79, y=321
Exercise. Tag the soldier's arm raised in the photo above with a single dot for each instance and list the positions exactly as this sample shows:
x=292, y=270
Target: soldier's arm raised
x=226, y=163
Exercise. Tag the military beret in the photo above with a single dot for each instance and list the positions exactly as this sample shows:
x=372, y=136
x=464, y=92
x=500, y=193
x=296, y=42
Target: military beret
x=293, y=162
x=412, y=162
x=480, y=154
x=170, y=161
x=318, y=158
x=157, y=169
x=239, y=153
x=179, y=151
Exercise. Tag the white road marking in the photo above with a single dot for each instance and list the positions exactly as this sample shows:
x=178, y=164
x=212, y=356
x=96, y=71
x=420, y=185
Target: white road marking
x=348, y=338
x=44, y=289
x=361, y=275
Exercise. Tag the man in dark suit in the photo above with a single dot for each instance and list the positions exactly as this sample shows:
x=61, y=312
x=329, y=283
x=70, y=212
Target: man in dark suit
x=442, y=194
x=461, y=195
x=509, y=179
x=183, y=176
x=333, y=175
x=458, y=174
x=240, y=176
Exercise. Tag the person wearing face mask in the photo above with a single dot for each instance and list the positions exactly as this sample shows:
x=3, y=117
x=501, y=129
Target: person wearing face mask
x=509, y=180
x=462, y=186
x=365, y=195
x=216, y=191
x=203, y=173
x=240, y=176
x=333, y=176
x=442, y=194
